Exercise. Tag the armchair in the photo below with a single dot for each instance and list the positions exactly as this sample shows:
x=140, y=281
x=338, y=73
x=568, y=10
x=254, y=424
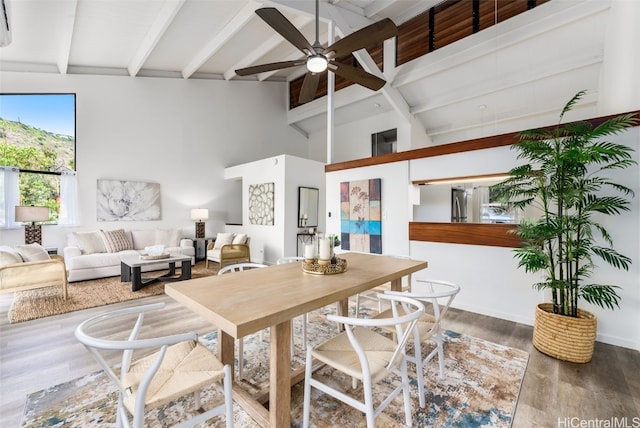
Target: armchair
x=229, y=248
x=34, y=274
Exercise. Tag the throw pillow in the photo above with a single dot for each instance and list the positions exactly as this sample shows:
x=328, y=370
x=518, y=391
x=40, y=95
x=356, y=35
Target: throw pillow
x=240, y=238
x=8, y=256
x=32, y=252
x=168, y=237
x=116, y=240
x=143, y=238
x=223, y=239
x=90, y=242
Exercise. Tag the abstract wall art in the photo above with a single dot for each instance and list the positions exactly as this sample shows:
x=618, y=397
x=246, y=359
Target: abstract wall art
x=360, y=216
x=121, y=200
x=261, y=204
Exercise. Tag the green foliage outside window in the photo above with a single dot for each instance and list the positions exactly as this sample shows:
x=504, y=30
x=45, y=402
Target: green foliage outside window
x=33, y=151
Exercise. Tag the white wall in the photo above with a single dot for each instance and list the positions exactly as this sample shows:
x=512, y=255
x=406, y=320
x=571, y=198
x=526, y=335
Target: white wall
x=490, y=280
x=270, y=242
x=179, y=133
x=306, y=173
x=353, y=140
x=394, y=203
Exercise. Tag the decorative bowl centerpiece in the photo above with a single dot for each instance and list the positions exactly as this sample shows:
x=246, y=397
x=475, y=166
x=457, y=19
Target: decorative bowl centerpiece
x=324, y=267
x=154, y=252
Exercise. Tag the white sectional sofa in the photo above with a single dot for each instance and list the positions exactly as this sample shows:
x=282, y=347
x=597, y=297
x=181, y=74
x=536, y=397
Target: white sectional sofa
x=97, y=254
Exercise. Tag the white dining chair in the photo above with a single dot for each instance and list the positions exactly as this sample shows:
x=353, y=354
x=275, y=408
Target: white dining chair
x=305, y=317
x=437, y=296
x=240, y=267
x=180, y=366
x=364, y=354
x=372, y=294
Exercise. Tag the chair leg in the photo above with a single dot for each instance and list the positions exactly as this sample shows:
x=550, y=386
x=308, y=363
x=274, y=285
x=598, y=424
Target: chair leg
x=121, y=413
x=440, y=347
x=305, y=320
x=307, y=390
x=196, y=399
x=419, y=373
x=368, y=402
x=228, y=396
x=406, y=394
x=241, y=358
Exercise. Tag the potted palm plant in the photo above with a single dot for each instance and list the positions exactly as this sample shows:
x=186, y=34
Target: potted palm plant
x=564, y=176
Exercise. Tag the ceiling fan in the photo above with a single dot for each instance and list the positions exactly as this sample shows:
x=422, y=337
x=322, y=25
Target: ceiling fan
x=318, y=58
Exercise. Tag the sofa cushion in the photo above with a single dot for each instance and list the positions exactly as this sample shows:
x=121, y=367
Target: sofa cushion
x=223, y=239
x=116, y=240
x=9, y=256
x=168, y=237
x=99, y=260
x=143, y=238
x=90, y=242
x=32, y=252
x=240, y=238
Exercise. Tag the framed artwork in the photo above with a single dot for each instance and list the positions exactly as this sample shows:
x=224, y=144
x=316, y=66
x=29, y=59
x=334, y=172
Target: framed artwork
x=261, y=203
x=360, y=216
x=120, y=200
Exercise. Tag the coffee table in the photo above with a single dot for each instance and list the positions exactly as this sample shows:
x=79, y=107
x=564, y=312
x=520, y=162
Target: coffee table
x=131, y=270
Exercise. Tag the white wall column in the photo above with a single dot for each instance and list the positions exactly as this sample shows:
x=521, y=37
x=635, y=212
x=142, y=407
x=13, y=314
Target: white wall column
x=331, y=80
x=619, y=84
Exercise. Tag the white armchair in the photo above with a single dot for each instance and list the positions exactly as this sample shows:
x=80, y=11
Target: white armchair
x=229, y=248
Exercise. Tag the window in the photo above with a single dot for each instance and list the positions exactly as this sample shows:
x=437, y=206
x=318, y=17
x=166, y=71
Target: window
x=37, y=135
x=383, y=143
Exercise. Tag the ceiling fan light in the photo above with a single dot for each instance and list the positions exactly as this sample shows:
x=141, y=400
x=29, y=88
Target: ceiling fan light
x=317, y=63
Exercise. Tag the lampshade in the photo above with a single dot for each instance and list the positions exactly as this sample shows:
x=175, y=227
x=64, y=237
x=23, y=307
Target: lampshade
x=199, y=214
x=32, y=214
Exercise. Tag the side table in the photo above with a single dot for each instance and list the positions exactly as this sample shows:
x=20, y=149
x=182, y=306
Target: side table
x=206, y=244
x=51, y=250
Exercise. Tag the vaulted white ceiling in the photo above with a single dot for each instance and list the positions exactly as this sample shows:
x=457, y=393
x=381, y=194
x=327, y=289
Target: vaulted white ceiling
x=528, y=65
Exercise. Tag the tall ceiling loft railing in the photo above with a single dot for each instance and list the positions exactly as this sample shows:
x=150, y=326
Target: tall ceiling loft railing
x=443, y=24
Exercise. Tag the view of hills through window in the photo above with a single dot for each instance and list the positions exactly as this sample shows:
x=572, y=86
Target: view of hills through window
x=37, y=135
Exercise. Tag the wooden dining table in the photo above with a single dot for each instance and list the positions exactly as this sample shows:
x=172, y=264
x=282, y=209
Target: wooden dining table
x=243, y=303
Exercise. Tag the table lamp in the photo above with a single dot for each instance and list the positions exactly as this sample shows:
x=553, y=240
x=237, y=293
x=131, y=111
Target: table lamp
x=199, y=214
x=31, y=214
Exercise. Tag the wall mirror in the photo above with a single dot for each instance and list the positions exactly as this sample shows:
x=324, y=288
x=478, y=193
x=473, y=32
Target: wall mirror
x=308, y=198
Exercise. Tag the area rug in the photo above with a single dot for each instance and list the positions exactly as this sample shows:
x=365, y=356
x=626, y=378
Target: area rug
x=480, y=389
x=44, y=302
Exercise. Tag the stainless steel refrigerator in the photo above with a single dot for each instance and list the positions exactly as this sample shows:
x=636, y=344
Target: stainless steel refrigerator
x=458, y=206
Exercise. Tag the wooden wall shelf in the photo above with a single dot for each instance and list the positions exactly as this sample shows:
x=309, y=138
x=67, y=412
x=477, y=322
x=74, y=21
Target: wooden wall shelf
x=490, y=234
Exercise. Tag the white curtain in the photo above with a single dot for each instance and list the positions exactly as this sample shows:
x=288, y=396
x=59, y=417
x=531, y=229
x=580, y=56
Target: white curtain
x=9, y=196
x=68, y=199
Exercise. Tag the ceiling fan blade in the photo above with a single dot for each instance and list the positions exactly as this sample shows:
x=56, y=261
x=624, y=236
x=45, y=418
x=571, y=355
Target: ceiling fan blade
x=256, y=69
x=309, y=87
x=357, y=75
x=365, y=37
x=282, y=25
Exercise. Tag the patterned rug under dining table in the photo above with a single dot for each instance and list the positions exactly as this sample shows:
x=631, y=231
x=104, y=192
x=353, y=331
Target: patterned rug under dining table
x=245, y=303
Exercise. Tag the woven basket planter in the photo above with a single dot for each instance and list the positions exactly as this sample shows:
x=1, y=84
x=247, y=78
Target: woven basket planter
x=562, y=337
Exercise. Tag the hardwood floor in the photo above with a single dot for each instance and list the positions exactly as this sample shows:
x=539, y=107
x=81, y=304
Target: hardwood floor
x=41, y=353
